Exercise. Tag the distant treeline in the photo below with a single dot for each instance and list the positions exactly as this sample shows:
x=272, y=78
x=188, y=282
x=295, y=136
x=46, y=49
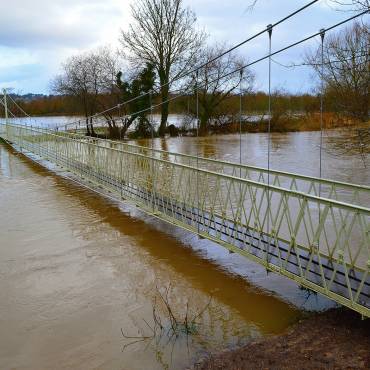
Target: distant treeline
x=52, y=105
x=251, y=103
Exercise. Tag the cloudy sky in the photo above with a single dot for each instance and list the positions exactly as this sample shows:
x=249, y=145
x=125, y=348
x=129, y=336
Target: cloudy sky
x=37, y=36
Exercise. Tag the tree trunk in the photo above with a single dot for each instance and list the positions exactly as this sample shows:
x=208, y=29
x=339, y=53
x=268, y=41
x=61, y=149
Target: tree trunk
x=164, y=110
x=126, y=125
x=87, y=127
x=114, y=132
x=203, y=125
x=93, y=134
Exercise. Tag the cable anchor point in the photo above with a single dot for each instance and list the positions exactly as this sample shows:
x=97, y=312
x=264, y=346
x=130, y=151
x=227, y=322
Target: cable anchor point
x=269, y=29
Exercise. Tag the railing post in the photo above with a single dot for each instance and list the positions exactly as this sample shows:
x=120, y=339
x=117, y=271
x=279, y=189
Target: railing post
x=6, y=107
x=322, y=35
x=197, y=171
x=6, y=114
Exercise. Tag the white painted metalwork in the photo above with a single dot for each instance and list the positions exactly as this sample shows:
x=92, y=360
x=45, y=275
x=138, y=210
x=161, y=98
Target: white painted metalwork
x=228, y=203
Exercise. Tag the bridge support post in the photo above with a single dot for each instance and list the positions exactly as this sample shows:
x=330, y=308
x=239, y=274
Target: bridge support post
x=6, y=107
x=6, y=113
x=269, y=30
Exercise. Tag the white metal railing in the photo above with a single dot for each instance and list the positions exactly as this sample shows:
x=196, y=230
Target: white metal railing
x=314, y=231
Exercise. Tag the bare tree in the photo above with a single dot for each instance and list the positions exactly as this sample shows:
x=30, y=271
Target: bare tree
x=346, y=70
x=352, y=5
x=217, y=81
x=344, y=5
x=163, y=34
x=87, y=77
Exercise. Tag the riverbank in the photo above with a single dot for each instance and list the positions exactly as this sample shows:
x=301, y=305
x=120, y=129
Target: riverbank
x=295, y=123
x=278, y=124
x=335, y=339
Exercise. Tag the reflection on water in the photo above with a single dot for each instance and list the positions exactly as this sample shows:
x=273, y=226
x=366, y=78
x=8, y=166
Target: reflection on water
x=75, y=268
x=297, y=152
x=345, y=152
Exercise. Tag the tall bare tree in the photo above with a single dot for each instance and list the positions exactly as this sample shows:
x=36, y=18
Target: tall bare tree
x=346, y=70
x=163, y=34
x=213, y=87
x=87, y=77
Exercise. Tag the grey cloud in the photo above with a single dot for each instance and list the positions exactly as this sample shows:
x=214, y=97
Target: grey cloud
x=55, y=23
x=50, y=30
x=19, y=72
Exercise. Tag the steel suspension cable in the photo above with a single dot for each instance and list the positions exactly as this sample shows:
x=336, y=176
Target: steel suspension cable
x=238, y=69
x=294, y=65
x=269, y=55
x=9, y=111
x=22, y=110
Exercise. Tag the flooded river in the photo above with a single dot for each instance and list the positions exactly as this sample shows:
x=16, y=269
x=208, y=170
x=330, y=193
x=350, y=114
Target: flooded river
x=78, y=271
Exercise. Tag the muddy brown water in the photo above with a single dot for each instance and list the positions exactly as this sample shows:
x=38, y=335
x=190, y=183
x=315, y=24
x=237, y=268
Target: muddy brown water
x=76, y=268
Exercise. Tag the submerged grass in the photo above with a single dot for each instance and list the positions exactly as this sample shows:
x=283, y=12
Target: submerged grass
x=168, y=326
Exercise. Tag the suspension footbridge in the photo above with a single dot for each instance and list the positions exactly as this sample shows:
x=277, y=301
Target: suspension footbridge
x=313, y=231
